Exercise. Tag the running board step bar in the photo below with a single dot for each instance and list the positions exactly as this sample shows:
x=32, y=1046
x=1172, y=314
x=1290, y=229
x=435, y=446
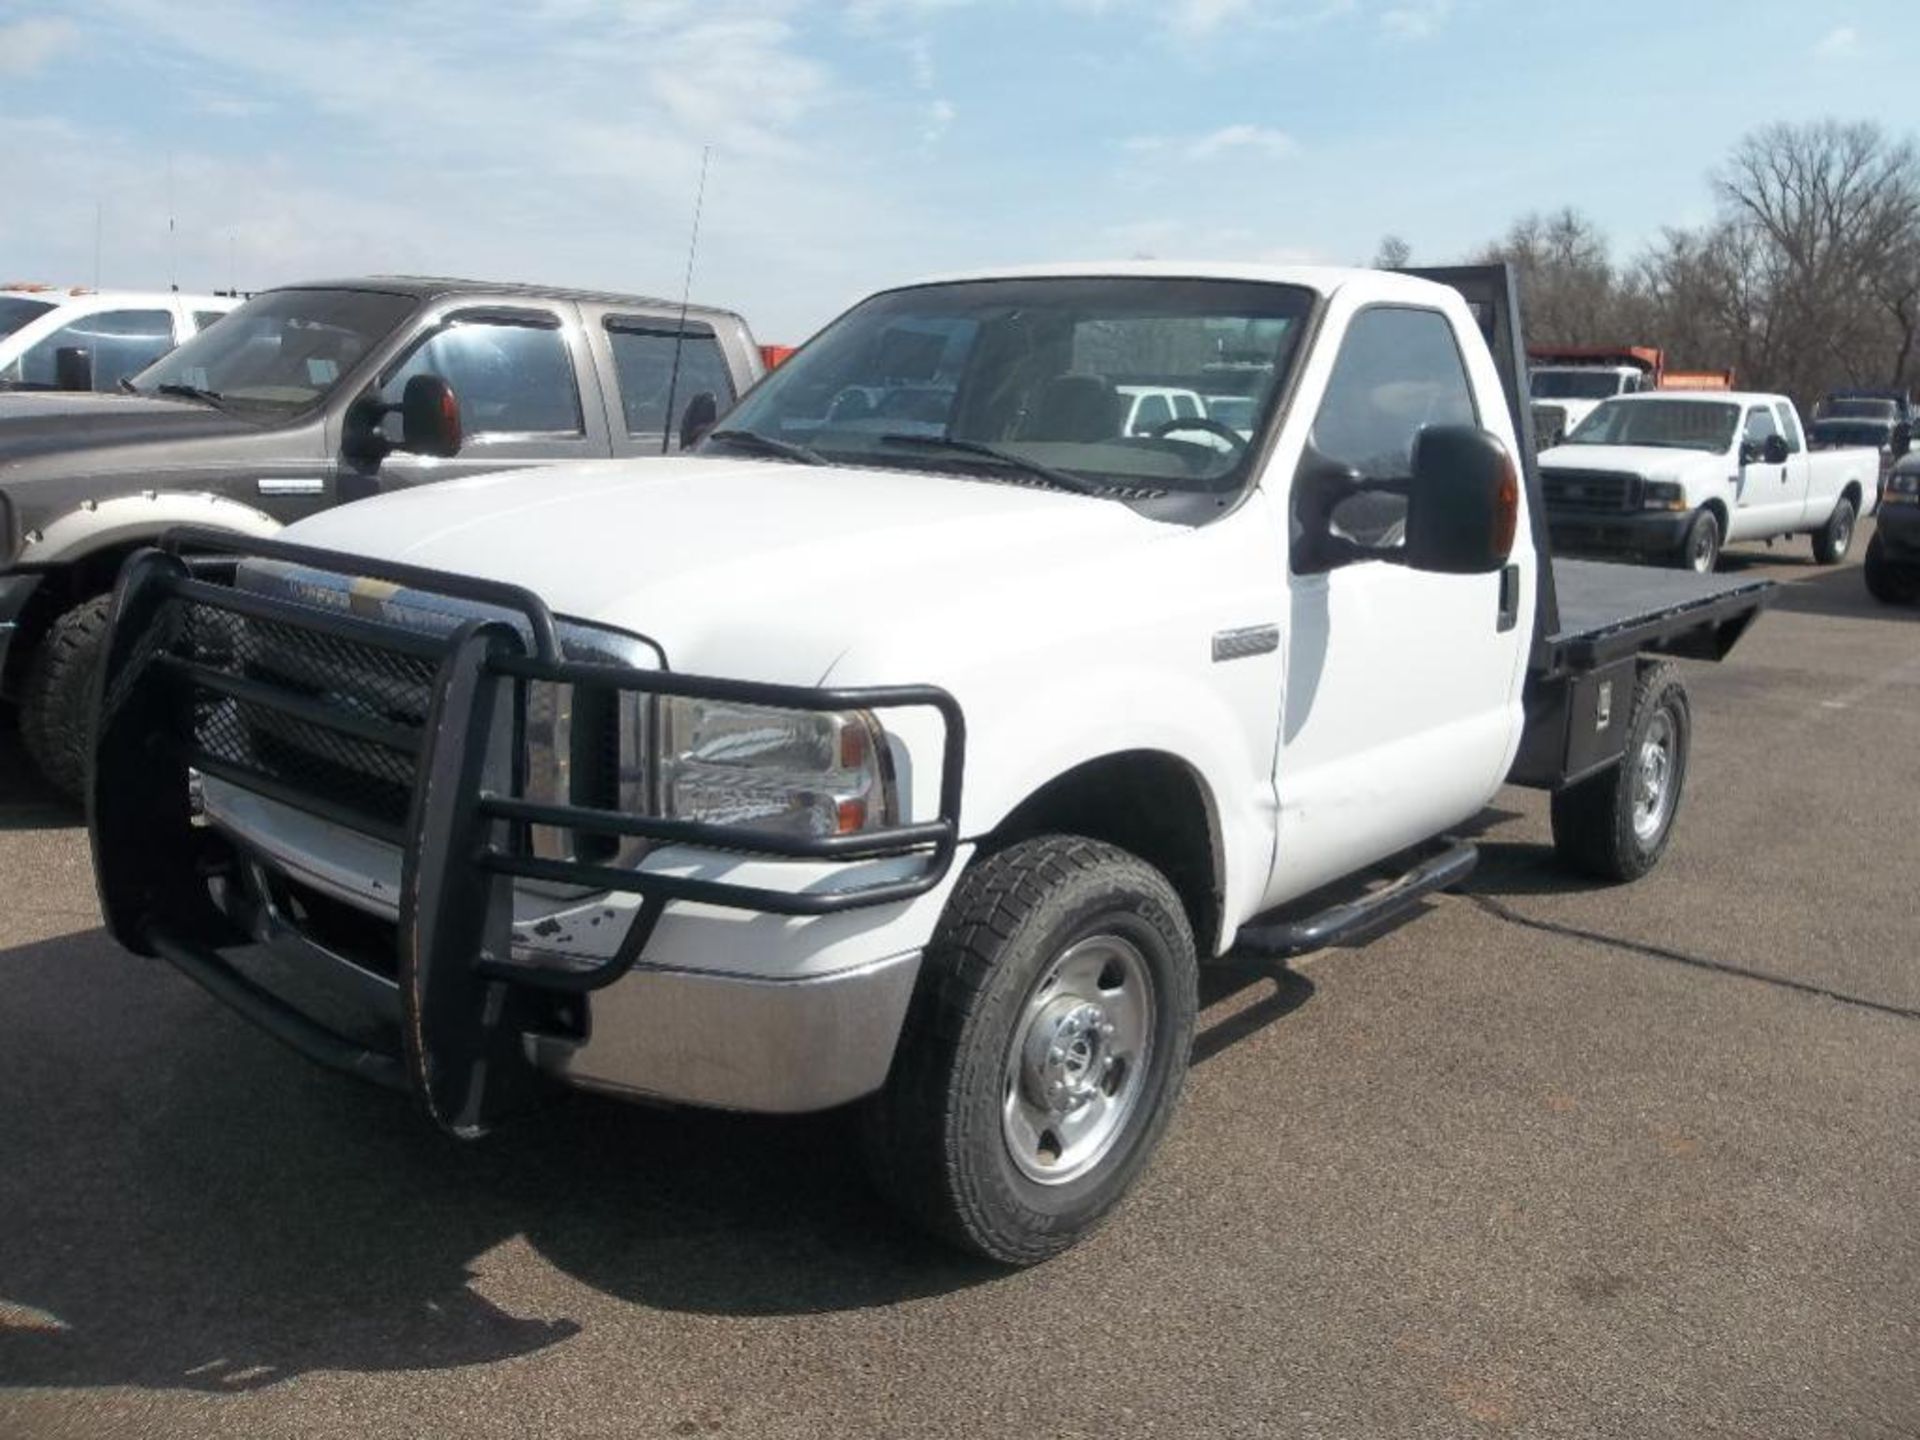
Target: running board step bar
x=1338, y=924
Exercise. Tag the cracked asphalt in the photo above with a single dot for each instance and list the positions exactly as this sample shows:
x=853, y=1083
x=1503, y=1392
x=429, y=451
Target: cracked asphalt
x=1548, y=1160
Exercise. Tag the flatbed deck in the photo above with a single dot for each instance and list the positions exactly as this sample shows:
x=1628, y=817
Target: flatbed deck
x=1608, y=612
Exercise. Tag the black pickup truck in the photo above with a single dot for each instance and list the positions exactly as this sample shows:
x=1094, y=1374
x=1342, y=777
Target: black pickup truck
x=292, y=405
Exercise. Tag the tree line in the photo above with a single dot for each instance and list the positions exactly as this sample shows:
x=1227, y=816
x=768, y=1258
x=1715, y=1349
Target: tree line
x=1807, y=278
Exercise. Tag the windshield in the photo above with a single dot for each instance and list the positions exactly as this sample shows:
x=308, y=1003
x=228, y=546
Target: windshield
x=15, y=312
x=1575, y=384
x=1233, y=410
x=280, y=353
x=1850, y=432
x=1676, y=424
x=1860, y=410
x=1045, y=372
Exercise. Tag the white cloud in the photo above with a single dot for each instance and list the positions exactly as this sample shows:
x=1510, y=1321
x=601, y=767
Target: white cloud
x=1203, y=17
x=939, y=119
x=1415, y=20
x=26, y=45
x=1839, y=43
x=1259, y=140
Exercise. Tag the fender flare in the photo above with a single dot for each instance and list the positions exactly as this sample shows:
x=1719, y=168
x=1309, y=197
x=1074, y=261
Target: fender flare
x=96, y=525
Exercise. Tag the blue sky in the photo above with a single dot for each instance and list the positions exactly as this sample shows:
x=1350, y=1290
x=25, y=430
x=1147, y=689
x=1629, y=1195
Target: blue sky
x=860, y=143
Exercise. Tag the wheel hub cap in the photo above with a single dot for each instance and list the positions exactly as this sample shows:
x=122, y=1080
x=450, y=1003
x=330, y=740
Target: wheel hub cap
x=1077, y=1061
x=1653, y=778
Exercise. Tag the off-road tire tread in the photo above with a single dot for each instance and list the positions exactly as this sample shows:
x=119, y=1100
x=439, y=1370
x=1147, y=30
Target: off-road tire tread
x=1593, y=820
x=56, y=723
x=912, y=1156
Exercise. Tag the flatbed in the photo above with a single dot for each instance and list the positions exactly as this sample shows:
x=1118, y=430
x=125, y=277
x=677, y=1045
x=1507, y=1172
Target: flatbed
x=1609, y=612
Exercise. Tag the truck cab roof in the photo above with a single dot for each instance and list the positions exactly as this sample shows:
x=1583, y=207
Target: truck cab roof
x=439, y=287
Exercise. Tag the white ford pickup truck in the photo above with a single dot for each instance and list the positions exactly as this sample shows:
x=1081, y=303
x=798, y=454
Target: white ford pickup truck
x=1675, y=475
x=918, y=768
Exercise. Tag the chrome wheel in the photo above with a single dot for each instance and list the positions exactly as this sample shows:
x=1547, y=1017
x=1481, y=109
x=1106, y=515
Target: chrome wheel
x=1842, y=532
x=1653, y=778
x=1078, y=1060
x=1706, y=548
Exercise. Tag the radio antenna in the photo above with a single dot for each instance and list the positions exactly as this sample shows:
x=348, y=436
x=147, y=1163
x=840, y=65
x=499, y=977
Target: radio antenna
x=173, y=264
x=686, y=293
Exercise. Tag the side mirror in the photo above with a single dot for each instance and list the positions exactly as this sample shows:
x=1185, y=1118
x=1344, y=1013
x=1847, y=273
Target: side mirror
x=1774, y=451
x=1464, y=503
x=72, y=368
x=1901, y=441
x=430, y=417
x=702, y=411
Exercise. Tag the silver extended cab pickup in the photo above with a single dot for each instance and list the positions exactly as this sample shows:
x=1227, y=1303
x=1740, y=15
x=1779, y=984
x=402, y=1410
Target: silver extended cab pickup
x=297, y=402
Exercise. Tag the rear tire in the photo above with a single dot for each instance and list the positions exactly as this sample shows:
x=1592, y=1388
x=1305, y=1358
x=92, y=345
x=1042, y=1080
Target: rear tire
x=56, y=698
x=1615, y=825
x=1887, y=582
x=1700, y=551
x=1832, y=540
x=1043, y=1052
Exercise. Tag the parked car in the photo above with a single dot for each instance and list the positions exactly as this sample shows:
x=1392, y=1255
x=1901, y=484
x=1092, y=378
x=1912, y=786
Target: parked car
x=297, y=402
x=922, y=771
x=1674, y=477
x=1892, y=565
x=1894, y=407
x=93, y=339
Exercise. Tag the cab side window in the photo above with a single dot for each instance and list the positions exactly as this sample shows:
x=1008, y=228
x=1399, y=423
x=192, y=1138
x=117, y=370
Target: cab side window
x=120, y=342
x=510, y=377
x=1399, y=370
x=1760, y=426
x=644, y=356
x=1789, y=426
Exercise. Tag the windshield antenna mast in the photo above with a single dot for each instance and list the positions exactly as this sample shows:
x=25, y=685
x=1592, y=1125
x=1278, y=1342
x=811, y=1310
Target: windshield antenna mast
x=686, y=292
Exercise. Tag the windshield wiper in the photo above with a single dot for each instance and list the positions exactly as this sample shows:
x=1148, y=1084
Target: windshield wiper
x=192, y=392
x=1065, y=479
x=785, y=449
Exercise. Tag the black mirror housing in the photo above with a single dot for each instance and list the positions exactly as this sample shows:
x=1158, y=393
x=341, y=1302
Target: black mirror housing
x=430, y=417
x=1774, y=450
x=700, y=416
x=72, y=368
x=1464, y=503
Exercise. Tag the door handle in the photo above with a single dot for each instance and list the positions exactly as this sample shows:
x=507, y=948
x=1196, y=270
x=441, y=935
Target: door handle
x=1509, y=598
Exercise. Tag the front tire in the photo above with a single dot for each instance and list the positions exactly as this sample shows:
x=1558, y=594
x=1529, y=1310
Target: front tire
x=1615, y=825
x=1700, y=551
x=1887, y=582
x=1043, y=1053
x=1832, y=540
x=56, y=698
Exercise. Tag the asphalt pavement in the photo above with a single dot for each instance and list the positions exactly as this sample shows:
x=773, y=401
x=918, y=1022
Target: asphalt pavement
x=1548, y=1160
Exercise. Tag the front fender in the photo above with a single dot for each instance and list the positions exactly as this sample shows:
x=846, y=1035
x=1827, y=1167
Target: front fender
x=96, y=525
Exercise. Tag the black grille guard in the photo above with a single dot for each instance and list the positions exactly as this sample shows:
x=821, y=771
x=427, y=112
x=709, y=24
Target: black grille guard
x=465, y=1003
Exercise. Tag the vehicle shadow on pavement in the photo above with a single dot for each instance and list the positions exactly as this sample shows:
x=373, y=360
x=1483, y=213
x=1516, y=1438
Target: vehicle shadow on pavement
x=186, y=1205
x=1841, y=592
x=26, y=801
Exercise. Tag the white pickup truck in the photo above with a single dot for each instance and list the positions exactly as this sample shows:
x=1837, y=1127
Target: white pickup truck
x=1675, y=476
x=918, y=768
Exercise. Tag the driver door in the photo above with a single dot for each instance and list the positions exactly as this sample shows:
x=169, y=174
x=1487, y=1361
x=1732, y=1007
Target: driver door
x=1402, y=704
x=1763, y=506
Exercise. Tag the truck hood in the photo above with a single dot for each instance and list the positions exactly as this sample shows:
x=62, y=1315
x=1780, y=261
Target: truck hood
x=1651, y=462
x=43, y=422
x=742, y=567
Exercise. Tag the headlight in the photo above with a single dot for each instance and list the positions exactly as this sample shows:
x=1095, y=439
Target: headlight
x=589, y=745
x=792, y=772
x=1664, y=495
x=1903, y=488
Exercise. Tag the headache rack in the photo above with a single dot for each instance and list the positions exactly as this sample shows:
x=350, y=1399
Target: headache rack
x=415, y=739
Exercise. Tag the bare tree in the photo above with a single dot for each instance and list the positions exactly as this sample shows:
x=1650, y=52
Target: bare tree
x=1566, y=275
x=1393, y=254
